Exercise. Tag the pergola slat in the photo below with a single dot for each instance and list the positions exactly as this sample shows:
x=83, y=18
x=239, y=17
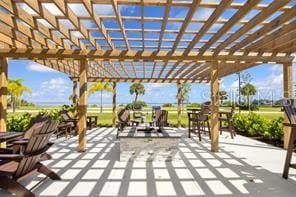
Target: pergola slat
x=56, y=44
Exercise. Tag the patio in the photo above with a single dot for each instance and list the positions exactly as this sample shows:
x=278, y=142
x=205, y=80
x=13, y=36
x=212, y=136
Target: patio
x=211, y=40
x=240, y=168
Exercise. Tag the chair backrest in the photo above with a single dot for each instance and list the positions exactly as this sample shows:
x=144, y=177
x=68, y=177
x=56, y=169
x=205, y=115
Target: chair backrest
x=34, y=123
x=123, y=115
x=232, y=110
x=154, y=109
x=37, y=145
x=289, y=106
x=65, y=115
x=161, y=118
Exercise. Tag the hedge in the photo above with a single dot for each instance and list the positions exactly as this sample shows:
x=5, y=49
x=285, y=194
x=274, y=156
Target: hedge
x=257, y=126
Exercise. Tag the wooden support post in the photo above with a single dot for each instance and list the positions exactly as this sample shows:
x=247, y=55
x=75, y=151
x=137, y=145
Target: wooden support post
x=74, y=98
x=179, y=96
x=114, y=106
x=215, y=108
x=82, y=105
x=287, y=74
x=3, y=95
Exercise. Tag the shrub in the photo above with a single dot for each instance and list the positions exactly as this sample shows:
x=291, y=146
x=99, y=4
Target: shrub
x=257, y=125
x=54, y=113
x=251, y=124
x=275, y=131
x=192, y=105
x=137, y=104
x=252, y=107
x=241, y=123
x=167, y=105
x=18, y=123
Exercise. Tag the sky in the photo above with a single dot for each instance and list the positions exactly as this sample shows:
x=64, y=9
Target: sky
x=50, y=86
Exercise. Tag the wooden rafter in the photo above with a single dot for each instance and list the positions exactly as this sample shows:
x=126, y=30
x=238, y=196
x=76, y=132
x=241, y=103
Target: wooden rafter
x=132, y=55
x=273, y=7
x=185, y=54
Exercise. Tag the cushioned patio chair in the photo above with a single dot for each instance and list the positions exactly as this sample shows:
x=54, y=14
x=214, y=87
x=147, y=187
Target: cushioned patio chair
x=15, y=167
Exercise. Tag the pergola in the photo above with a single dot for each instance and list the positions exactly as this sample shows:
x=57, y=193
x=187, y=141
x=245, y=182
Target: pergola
x=72, y=36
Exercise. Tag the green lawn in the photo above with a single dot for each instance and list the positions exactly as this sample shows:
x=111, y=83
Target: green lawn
x=105, y=118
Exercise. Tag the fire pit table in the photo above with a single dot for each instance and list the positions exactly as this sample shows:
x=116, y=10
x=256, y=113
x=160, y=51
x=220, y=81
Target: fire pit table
x=149, y=144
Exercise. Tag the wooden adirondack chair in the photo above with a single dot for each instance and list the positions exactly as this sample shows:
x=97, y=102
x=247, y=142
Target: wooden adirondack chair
x=15, y=167
x=160, y=118
x=35, y=122
x=289, y=106
x=67, y=119
x=123, y=117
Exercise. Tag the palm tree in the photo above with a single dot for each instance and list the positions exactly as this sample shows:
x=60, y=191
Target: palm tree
x=16, y=88
x=100, y=87
x=248, y=90
x=137, y=89
x=185, y=92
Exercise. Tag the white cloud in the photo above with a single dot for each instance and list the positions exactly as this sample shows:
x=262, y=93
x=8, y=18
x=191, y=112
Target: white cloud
x=55, y=83
x=39, y=68
x=156, y=86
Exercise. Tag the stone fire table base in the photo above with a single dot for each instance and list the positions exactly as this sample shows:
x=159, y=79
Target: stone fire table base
x=141, y=145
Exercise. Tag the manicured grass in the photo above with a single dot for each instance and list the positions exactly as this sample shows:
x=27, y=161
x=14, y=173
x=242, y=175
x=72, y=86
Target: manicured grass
x=105, y=118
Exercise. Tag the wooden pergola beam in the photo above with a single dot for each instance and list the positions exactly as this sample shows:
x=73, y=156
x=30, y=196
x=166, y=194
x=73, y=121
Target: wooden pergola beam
x=214, y=107
x=114, y=105
x=133, y=55
x=179, y=97
x=3, y=95
x=82, y=106
x=288, y=91
x=163, y=3
x=143, y=80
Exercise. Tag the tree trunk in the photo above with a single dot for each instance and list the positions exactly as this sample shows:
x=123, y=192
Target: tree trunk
x=136, y=97
x=249, y=106
x=101, y=106
x=13, y=104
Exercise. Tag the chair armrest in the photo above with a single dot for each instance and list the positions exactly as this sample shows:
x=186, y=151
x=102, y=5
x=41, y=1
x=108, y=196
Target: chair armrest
x=20, y=142
x=289, y=125
x=14, y=157
x=70, y=120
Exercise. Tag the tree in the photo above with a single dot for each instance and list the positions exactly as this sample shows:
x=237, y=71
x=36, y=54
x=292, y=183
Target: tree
x=100, y=87
x=222, y=96
x=16, y=89
x=185, y=92
x=137, y=89
x=243, y=78
x=248, y=90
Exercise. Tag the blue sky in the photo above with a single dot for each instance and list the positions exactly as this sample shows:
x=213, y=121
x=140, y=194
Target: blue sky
x=52, y=86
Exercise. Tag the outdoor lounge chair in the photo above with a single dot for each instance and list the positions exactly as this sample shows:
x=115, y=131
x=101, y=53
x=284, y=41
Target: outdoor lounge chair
x=15, y=167
x=123, y=117
x=67, y=119
x=160, y=118
x=289, y=106
x=227, y=119
x=18, y=144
